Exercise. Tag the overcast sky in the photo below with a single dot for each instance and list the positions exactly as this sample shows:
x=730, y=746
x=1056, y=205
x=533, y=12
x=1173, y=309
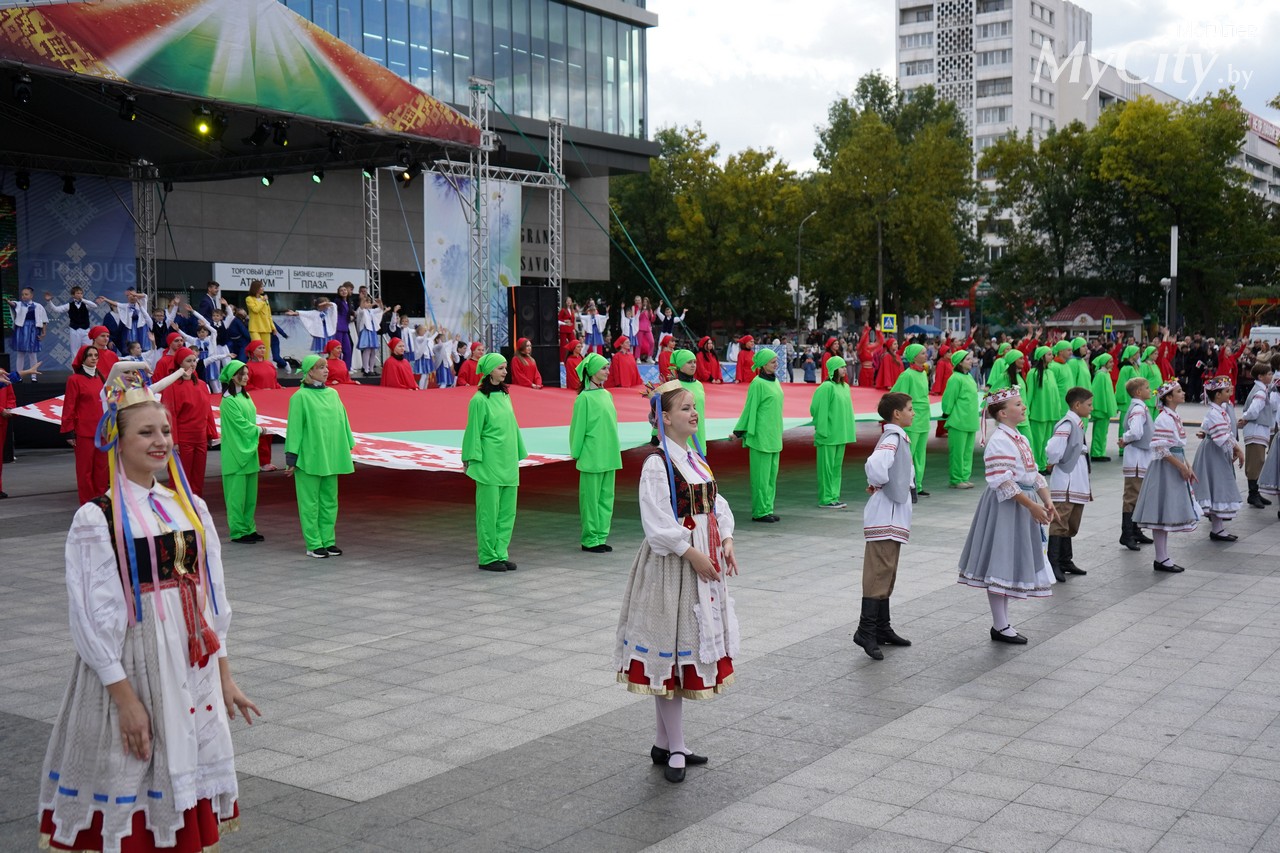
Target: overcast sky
x=762, y=74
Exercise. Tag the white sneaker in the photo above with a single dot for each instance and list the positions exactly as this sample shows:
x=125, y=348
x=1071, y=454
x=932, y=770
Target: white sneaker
x=962, y=485
x=833, y=505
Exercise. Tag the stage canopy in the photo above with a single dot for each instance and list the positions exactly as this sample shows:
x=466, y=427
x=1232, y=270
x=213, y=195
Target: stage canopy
x=99, y=85
x=422, y=430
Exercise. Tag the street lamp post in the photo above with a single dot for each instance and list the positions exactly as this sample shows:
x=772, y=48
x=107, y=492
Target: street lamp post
x=799, y=235
x=880, y=255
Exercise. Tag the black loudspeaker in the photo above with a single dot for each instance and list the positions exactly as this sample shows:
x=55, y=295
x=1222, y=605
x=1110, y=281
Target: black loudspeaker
x=547, y=357
x=535, y=317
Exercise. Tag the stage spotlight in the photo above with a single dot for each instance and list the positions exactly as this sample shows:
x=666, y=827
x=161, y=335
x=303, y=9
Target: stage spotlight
x=403, y=156
x=69, y=184
x=407, y=176
x=128, y=108
x=202, y=122
x=22, y=179
x=22, y=88
x=217, y=126
x=268, y=180
x=335, y=143
x=280, y=133
x=168, y=186
x=317, y=176
x=261, y=132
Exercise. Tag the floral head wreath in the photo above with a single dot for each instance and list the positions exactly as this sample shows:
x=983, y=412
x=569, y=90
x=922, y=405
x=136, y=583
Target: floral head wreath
x=128, y=385
x=1001, y=396
x=1217, y=383
x=1167, y=388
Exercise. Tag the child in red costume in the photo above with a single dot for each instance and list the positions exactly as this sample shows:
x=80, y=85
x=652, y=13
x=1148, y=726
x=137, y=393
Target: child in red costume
x=396, y=370
x=623, y=372
x=524, y=370
x=467, y=370
x=338, y=372
x=708, y=364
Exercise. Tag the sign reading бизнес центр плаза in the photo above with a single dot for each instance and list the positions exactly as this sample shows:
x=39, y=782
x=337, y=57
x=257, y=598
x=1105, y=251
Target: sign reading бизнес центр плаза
x=286, y=279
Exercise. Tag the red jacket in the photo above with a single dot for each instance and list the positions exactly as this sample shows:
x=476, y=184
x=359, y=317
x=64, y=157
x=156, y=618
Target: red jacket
x=338, y=373
x=190, y=414
x=708, y=367
x=262, y=376
x=398, y=373
x=745, y=372
x=467, y=373
x=524, y=371
x=81, y=407
x=623, y=372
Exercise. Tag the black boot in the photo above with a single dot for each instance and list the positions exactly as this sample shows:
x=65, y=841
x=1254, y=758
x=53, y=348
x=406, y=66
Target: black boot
x=1066, y=558
x=1140, y=537
x=884, y=631
x=865, y=636
x=1055, y=558
x=1126, y=532
x=1255, y=498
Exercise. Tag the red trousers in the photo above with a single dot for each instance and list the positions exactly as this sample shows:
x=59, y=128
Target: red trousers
x=193, y=456
x=91, y=469
x=264, y=450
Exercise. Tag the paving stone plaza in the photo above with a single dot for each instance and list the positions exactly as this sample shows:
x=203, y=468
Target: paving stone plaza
x=412, y=703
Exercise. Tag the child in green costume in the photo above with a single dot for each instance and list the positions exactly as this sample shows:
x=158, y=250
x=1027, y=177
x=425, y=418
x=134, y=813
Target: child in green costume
x=760, y=428
x=593, y=441
x=317, y=449
x=240, y=434
x=833, y=428
x=960, y=412
x=1128, y=370
x=685, y=366
x=1150, y=371
x=1007, y=373
x=1044, y=398
x=492, y=448
x=1105, y=408
x=914, y=382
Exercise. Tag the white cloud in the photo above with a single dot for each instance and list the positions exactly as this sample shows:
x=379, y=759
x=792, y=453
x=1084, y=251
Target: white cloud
x=762, y=74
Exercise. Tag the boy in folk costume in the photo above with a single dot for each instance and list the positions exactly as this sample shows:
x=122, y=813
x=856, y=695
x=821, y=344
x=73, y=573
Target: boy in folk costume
x=78, y=319
x=1166, y=504
x=760, y=428
x=317, y=450
x=833, y=427
x=744, y=372
x=593, y=442
x=1104, y=408
x=886, y=523
x=960, y=414
x=914, y=381
x=492, y=448
x=1068, y=481
x=1216, y=491
x=1136, y=431
x=1257, y=419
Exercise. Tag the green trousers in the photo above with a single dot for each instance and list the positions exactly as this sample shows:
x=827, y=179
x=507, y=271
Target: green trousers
x=830, y=472
x=764, y=481
x=240, y=491
x=919, y=441
x=595, y=505
x=1039, y=439
x=960, y=455
x=317, y=508
x=1101, y=427
x=495, y=519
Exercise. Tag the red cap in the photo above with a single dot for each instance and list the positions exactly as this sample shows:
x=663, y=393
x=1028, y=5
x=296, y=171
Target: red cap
x=253, y=345
x=746, y=339
x=79, y=359
x=706, y=339
x=618, y=343
x=521, y=342
x=332, y=345
x=475, y=346
x=666, y=339
x=182, y=355
x=393, y=343
x=830, y=341
x=890, y=340
x=171, y=337
x=98, y=330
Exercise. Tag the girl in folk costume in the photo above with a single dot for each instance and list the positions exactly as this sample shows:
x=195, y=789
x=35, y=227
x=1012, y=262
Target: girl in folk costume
x=665, y=349
x=468, y=371
x=1005, y=550
x=1217, y=492
x=593, y=326
x=831, y=350
x=239, y=454
x=677, y=629
x=321, y=323
x=81, y=411
x=623, y=372
x=744, y=372
x=572, y=358
x=1269, y=478
x=140, y=757
x=420, y=350
x=1043, y=402
x=442, y=354
x=644, y=331
x=191, y=419
x=335, y=353
x=684, y=365
x=368, y=321
x=317, y=450
x=868, y=348
x=492, y=448
x=524, y=370
x=211, y=356
x=1166, y=503
x=914, y=382
x=262, y=377
x=1105, y=408
x=593, y=442
x=708, y=364
x=760, y=428
x=961, y=414
x=833, y=427
x=631, y=326
x=889, y=367
x=29, y=322
x=396, y=370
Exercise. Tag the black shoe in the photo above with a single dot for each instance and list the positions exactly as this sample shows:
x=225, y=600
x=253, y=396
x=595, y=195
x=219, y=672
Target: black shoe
x=1256, y=501
x=885, y=635
x=1223, y=537
x=511, y=567
x=1015, y=640
x=674, y=775
x=922, y=493
x=1073, y=569
x=765, y=519
x=1172, y=567
x=1054, y=556
x=1066, y=559
x=334, y=551
x=1099, y=458
x=660, y=756
x=865, y=636
x=247, y=539
x=1265, y=502
x=319, y=553
x=3, y=495
x=597, y=549
x=495, y=566
x=258, y=537
x=1140, y=537
x=1127, y=530
x=776, y=518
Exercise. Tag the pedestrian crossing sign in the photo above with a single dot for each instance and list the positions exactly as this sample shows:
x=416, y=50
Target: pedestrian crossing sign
x=889, y=324
x=1106, y=324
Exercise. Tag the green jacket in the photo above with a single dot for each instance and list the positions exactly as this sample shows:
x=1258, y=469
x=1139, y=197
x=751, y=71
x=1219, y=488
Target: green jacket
x=593, y=432
x=1104, y=397
x=492, y=445
x=239, y=434
x=1127, y=372
x=1155, y=379
x=915, y=384
x=999, y=379
x=318, y=433
x=760, y=423
x=1042, y=396
x=1080, y=376
x=832, y=413
x=960, y=403
x=1064, y=378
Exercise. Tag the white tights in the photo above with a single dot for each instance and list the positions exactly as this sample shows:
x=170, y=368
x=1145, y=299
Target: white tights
x=367, y=357
x=1000, y=614
x=1161, y=540
x=670, y=734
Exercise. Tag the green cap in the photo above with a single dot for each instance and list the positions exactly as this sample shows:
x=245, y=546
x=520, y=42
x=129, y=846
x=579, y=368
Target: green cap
x=1040, y=353
x=762, y=357
x=1002, y=349
x=590, y=366
x=1129, y=352
x=1012, y=355
x=835, y=363
x=681, y=357
x=1102, y=360
x=959, y=356
x=1061, y=346
x=909, y=354
x=310, y=362
x=489, y=361
x=1148, y=352
x=1078, y=342
x=232, y=368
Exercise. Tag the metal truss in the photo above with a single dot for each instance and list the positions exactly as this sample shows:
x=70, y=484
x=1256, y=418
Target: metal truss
x=144, y=226
x=555, y=206
x=372, y=233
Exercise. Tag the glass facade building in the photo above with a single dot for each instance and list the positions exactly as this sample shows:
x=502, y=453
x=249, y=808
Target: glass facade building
x=545, y=58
